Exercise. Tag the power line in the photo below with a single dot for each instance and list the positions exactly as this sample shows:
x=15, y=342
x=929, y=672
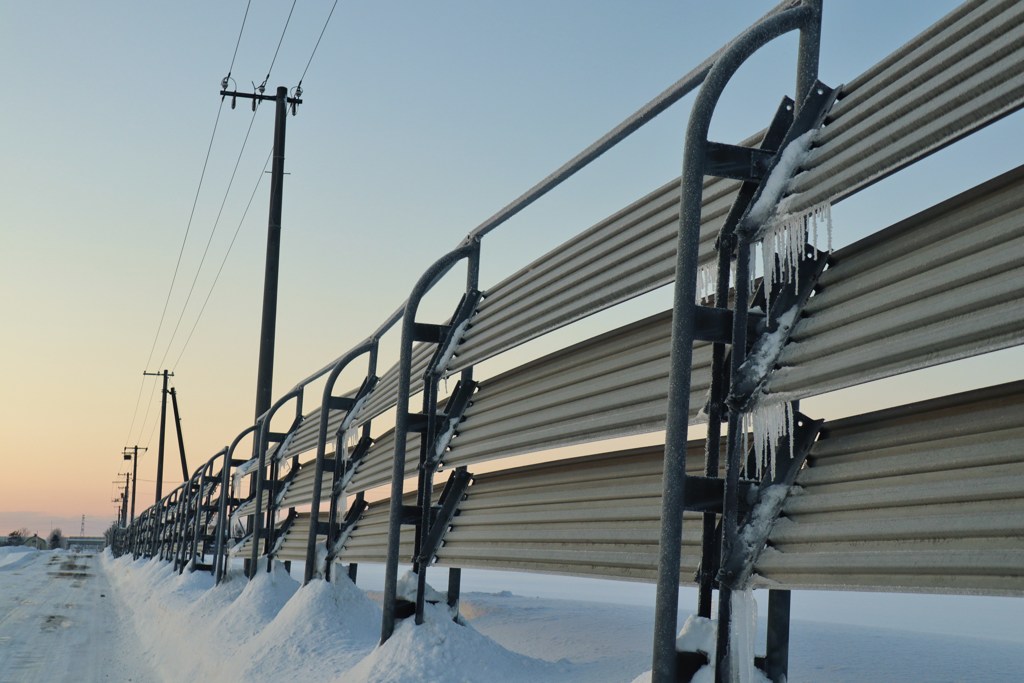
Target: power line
x=239, y=41
x=206, y=251
x=188, y=228
x=281, y=40
x=177, y=265
x=135, y=414
x=149, y=407
x=329, y=15
x=188, y=298
x=224, y=260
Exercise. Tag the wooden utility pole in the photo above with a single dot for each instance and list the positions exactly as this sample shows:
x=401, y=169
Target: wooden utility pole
x=265, y=369
x=163, y=432
x=134, y=457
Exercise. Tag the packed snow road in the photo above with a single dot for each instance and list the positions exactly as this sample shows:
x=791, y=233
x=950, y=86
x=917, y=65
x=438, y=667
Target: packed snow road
x=59, y=621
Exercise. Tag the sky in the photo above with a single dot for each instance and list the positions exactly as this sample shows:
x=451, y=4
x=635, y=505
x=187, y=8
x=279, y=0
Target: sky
x=419, y=121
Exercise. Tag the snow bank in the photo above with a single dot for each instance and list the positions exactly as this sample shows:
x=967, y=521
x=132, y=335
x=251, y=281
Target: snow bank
x=15, y=557
x=441, y=650
x=273, y=628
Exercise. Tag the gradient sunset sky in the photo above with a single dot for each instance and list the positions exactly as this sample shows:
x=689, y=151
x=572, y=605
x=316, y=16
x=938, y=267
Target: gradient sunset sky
x=420, y=121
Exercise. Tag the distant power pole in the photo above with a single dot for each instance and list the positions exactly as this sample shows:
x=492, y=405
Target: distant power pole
x=163, y=431
x=134, y=457
x=265, y=369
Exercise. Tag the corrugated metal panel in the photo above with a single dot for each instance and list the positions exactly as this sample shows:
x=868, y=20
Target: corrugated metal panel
x=926, y=497
x=248, y=508
x=368, y=541
x=595, y=515
x=945, y=284
x=630, y=253
x=961, y=74
x=293, y=544
x=385, y=394
x=612, y=385
x=376, y=467
x=300, y=491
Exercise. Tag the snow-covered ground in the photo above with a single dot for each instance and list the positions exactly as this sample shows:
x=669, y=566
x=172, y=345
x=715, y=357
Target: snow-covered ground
x=61, y=620
x=77, y=617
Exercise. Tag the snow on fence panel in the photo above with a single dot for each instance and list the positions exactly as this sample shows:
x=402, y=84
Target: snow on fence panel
x=924, y=497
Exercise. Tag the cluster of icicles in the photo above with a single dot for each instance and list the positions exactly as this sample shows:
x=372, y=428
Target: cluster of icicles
x=784, y=240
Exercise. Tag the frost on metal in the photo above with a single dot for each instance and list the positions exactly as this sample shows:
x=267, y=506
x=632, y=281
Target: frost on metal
x=783, y=234
x=773, y=188
x=454, y=339
x=282, y=449
x=243, y=470
x=768, y=423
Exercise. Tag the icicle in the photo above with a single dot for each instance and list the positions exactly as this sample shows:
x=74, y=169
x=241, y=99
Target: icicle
x=707, y=280
x=743, y=635
x=784, y=238
x=769, y=423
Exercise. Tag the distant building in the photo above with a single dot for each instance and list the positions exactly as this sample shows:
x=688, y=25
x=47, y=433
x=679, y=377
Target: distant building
x=85, y=542
x=34, y=541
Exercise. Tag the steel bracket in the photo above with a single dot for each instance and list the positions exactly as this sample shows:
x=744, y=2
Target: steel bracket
x=451, y=497
x=737, y=569
x=809, y=117
x=705, y=494
x=453, y=414
x=787, y=302
x=453, y=334
x=737, y=162
x=712, y=324
x=348, y=466
x=347, y=526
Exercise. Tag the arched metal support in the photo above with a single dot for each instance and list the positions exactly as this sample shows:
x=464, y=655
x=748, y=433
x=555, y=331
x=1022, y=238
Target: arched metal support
x=352, y=406
x=200, y=539
x=220, y=548
x=470, y=251
x=263, y=521
x=806, y=17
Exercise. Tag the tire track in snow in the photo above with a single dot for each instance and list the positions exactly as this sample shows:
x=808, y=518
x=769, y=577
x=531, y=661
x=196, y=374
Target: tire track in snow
x=58, y=623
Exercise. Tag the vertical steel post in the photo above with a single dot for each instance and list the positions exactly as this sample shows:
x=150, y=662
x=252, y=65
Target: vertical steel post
x=423, y=285
x=776, y=661
x=808, y=51
x=265, y=372
x=734, y=457
x=664, y=662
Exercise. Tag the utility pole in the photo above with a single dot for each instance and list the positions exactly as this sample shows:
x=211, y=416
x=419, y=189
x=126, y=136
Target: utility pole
x=181, y=439
x=265, y=369
x=268, y=327
x=163, y=431
x=124, y=502
x=134, y=457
